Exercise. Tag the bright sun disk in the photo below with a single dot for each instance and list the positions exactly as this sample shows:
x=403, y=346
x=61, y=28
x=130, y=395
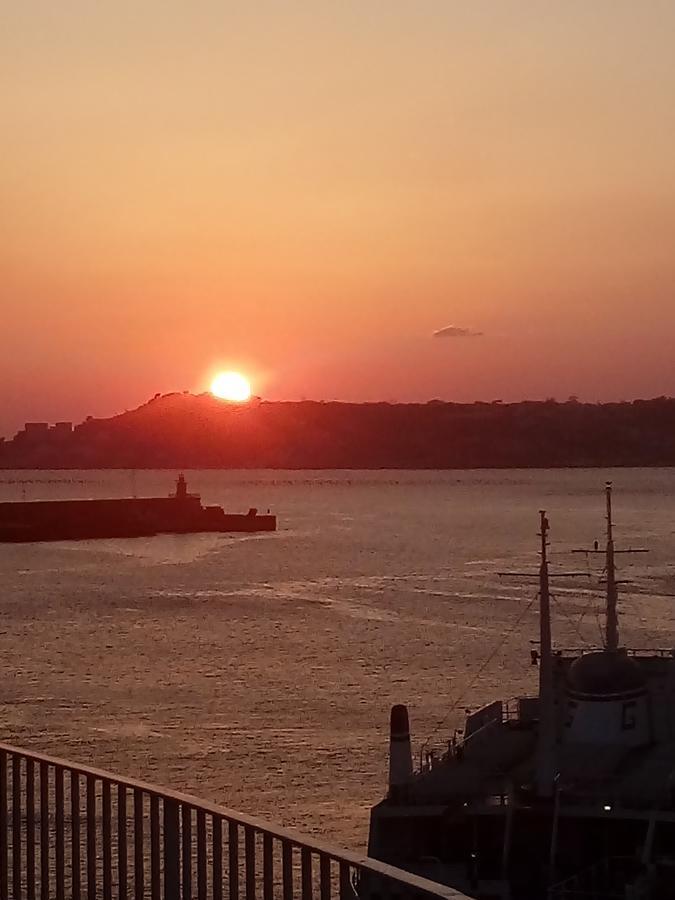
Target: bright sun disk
x=232, y=386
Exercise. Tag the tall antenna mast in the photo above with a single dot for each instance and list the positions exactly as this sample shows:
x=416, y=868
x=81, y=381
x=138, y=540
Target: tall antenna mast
x=546, y=742
x=546, y=739
x=612, y=597
x=612, y=618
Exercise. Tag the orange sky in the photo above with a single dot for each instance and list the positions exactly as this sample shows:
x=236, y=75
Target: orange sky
x=308, y=190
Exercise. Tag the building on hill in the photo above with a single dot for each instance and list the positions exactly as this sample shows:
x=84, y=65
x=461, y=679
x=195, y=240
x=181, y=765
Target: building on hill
x=43, y=433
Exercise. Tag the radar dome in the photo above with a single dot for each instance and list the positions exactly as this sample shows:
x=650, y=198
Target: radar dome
x=604, y=673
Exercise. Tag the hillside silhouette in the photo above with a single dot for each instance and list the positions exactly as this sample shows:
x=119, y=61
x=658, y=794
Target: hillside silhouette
x=187, y=431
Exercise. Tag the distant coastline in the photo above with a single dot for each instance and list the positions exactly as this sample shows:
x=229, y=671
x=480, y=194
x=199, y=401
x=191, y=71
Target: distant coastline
x=174, y=431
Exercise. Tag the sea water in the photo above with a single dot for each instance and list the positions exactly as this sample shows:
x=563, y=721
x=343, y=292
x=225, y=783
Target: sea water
x=258, y=670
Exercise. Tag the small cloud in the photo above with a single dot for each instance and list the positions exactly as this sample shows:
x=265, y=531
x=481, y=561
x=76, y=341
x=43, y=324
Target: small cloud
x=456, y=331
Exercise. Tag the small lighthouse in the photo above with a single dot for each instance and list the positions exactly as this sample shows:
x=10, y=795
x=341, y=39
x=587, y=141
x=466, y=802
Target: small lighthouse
x=181, y=488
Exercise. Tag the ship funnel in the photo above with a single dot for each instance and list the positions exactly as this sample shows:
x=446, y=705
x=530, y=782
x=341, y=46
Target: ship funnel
x=400, y=753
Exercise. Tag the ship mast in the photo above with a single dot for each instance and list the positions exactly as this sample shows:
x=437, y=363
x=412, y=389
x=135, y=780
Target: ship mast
x=612, y=596
x=612, y=618
x=545, y=760
x=546, y=739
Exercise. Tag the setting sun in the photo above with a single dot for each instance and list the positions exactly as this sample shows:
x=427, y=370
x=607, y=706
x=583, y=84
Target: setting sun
x=231, y=386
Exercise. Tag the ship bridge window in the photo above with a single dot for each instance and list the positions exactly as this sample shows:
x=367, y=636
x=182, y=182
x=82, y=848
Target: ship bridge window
x=628, y=715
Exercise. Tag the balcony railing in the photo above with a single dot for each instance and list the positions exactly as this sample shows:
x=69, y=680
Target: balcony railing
x=71, y=831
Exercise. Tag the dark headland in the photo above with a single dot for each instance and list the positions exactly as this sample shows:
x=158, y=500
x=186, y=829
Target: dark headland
x=187, y=431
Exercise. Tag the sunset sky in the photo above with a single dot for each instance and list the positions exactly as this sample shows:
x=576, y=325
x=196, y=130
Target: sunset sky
x=307, y=191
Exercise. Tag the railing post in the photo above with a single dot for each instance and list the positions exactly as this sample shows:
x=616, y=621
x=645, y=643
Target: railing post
x=306, y=873
x=201, y=854
x=45, y=891
x=171, y=851
x=186, y=837
x=346, y=892
x=324, y=876
x=91, y=838
x=287, y=869
x=60, y=849
x=122, y=851
x=154, y=848
x=16, y=827
x=106, y=840
x=217, y=867
x=233, y=859
x=75, y=865
x=268, y=866
x=30, y=829
x=4, y=856
x=249, y=849
x=139, y=846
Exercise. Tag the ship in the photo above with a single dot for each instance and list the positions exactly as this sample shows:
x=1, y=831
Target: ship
x=568, y=793
x=75, y=520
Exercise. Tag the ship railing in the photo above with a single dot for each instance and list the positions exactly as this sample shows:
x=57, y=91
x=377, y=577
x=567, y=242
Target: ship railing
x=637, y=652
x=515, y=709
x=607, y=879
x=432, y=757
x=511, y=710
x=72, y=831
x=521, y=709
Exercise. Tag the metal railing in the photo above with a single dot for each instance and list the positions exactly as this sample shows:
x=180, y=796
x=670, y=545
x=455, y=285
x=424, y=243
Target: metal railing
x=638, y=652
x=608, y=879
x=71, y=831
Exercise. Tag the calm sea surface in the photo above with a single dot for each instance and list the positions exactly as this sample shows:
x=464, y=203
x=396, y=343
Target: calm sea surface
x=258, y=671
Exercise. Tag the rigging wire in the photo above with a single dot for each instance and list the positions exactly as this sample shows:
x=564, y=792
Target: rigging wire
x=480, y=671
x=576, y=626
x=603, y=571
x=600, y=631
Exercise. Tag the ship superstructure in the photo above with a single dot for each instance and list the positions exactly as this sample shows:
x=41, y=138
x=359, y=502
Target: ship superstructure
x=568, y=793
